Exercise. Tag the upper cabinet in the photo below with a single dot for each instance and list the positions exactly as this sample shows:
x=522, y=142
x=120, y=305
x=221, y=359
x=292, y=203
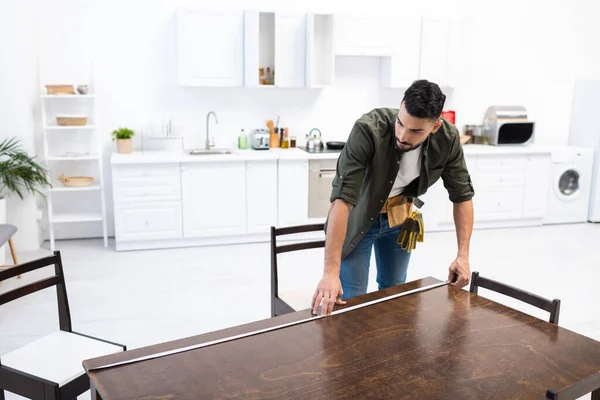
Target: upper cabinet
x=210, y=48
x=291, y=50
x=401, y=68
x=274, y=49
x=434, y=50
x=320, y=60
x=357, y=35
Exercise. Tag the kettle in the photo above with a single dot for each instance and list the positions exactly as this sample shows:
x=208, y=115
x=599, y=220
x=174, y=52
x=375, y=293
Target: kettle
x=313, y=140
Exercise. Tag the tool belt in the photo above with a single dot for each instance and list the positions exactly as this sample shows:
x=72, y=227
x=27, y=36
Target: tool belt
x=399, y=211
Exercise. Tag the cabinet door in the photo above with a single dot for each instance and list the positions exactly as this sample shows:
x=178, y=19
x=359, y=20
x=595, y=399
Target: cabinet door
x=148, y=220
x=459, y=53
x=320, y=59
x=434, y=51
x=293, y=192
x=402, y=68
x=210, y=48
x=536, y=185
x=362, y=36
x=261, y=190
x=499, y=204
x=290, y=50
x=214, y=199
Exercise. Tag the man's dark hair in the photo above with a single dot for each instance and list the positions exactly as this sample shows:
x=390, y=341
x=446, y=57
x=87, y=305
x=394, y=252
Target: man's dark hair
x=424, y=99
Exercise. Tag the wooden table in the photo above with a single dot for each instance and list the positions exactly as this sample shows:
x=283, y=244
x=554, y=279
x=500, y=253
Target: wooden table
x=443, y=343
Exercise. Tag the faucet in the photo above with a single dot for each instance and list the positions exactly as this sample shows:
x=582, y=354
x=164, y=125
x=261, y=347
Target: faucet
x=207, y=145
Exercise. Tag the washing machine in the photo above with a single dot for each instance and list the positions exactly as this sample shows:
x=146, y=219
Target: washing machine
x=570, y=185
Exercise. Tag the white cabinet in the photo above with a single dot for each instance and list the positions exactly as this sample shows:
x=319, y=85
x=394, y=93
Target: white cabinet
x=293, y=192
x=210, y=48
x=276, y=41
x=362, y=36
x=402, y=67
x=214, y=199
x=148, y=220
x=320, y=60
x=434, y=50
x=261, y=195
x=536, y=187
x=147, y=202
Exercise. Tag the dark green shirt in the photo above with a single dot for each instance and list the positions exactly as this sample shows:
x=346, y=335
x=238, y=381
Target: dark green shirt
x=368, y=165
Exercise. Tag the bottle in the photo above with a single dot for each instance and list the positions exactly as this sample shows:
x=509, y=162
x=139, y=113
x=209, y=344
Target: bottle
x=242, y=141
x=268, y=77
x=285, y=142
x=293, y=142
x=261, y=76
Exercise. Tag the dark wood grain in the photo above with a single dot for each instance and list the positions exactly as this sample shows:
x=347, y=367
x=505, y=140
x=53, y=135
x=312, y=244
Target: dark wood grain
x=443, y=343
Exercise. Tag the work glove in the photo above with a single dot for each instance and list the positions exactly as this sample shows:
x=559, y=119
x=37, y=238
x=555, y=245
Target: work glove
x=412, y=232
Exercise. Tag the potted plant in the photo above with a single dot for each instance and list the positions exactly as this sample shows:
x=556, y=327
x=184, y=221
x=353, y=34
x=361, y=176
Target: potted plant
x=123, y=137
x=19, y=173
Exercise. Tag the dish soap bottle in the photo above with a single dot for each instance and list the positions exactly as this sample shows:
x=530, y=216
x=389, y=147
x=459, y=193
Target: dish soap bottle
x=242, y=142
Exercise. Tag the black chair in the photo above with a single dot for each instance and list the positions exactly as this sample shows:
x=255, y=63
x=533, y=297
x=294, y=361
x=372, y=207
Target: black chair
x=50, y=367
x=552, y=306
x=280, y=306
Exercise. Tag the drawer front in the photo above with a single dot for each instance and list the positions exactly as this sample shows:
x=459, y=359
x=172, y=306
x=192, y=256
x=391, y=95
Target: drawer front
x=496, y=204
x=501, y=163
x=150, y=192
x=145, y=174
x=146, y=183
x=508, y=177
x=143, y=221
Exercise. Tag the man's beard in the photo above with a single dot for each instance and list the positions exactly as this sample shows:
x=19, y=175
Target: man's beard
x=409, y=147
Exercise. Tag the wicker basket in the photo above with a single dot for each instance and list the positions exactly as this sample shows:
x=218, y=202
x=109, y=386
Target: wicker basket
x=60, y=89
x=71, y=120
x=76, y=181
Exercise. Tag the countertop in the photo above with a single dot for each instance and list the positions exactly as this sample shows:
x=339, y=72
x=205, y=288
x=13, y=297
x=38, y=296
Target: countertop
x=151, y=157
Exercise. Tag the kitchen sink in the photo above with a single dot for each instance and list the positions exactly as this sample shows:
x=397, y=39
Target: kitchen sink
x=201, y=152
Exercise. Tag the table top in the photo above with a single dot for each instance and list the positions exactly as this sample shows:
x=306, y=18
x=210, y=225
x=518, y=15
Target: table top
x=440, y=343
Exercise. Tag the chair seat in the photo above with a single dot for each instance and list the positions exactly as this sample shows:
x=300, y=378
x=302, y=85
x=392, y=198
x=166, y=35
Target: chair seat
x=6, y=232
x=298, y=299
x=57, y=357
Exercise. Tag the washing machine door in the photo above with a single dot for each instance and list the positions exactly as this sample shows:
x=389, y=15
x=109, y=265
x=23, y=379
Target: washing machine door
x=567, y=184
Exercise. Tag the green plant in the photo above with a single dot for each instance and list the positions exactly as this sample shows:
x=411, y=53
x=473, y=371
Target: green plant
x=122, y=133
x=20, y=172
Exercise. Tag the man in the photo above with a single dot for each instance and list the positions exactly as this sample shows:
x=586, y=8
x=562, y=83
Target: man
x=392, y=156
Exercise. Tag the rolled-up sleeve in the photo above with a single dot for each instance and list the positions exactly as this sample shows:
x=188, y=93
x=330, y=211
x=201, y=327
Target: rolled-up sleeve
x=352, y=164
x=455, y=176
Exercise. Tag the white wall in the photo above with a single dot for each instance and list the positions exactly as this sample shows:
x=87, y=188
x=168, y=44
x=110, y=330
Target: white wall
x=18, y=50
x=520, y=55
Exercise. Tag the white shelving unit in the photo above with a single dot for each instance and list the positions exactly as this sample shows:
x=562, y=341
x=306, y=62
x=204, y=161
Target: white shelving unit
x=52, y=131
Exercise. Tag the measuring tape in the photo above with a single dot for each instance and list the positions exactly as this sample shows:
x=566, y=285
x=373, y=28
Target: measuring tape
x=258, y=332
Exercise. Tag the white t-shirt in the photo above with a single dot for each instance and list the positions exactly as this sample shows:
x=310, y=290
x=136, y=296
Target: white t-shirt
x=410, y=169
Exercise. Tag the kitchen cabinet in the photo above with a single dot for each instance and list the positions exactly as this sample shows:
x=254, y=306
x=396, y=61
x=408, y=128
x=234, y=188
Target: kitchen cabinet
x=275, y=40
x=434, y=50
x=213, y=199
x=210, y=48
x=536, y=188
x=261, y=195
x=148, y=221
x=402, y=68
x=293, y=192
x=320, y=59
x=363, y=36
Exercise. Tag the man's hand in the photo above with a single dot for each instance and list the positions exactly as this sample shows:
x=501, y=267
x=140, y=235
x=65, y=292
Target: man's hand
x=461, y=268
x=330, y=291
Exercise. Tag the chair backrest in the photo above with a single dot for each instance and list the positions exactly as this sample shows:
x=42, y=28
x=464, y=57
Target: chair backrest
x=305, y=245
x=58, y=280
x=552, y=306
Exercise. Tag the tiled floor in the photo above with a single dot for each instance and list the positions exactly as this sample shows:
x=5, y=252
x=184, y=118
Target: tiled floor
x=145, y=297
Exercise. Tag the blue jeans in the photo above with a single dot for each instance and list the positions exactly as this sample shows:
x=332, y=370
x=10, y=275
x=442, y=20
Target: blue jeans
x=392, y=261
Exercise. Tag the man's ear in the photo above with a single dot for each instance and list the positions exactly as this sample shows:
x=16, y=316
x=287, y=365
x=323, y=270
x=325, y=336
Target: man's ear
x=437, y=125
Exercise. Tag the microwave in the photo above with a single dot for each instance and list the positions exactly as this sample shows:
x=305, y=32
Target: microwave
x=507, y=125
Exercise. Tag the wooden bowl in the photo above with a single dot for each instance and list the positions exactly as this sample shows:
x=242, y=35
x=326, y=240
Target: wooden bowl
x=76, y=181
